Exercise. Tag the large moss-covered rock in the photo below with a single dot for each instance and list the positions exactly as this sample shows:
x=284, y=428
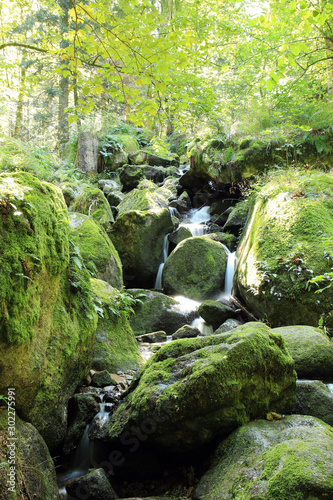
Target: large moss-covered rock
x=284, y=245
x=193, y=390
x=130, y=175
x=46, y=331
x=311, y=350
x=92, y=202
x=147, y=197
x=116, y=347
x=314, y=398
x=96, y=248
x=142, y=157
x=290, y=459
x=114, y=151
x=26, y=463
x=138, y=237
x=195, y=268
x=158, y=311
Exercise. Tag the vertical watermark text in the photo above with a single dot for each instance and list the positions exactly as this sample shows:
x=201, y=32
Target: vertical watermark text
x=11, y=446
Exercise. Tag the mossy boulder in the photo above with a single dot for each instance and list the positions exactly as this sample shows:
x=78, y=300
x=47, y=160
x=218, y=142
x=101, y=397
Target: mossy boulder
x=26, y=463
x=138, y=237
x=96, y=248
x=314, y=398
x=81, y=410
x=160, y=312
x=93, y=202
x=147, y=197
x=114, y=151
x=195, y=268
x=237, y=218
x=130, y=175
x=284, y=245
x=46, y=332
x=194, y=390
x=93, y=485
x=179, y=235
x=116, y=347
x=311, y=350
x=145, y=157
x=215, y=313
x=288, y=459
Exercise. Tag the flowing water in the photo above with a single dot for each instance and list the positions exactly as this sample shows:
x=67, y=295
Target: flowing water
x=158, y=281
x=196, y=221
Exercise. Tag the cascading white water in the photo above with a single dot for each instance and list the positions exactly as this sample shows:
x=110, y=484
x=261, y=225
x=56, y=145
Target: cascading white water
x=229, y=274
x=330, y=386
x=202, y=326
x=196, y=221
x=158, y=281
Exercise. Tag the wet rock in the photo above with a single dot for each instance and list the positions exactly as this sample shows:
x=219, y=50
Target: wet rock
x=115, y=348
x=281, y=459
x=179, y=235
x=195, y=268
x=314, y=398
x=183, y=203
x=102, y=379
x=237, y=218
x=81, y=410
x=311, y=350
x=215, y=313
x=92, y=202
x=228, y=325
x=194, y=390
x=34, y=470
x=94, y=485
x=97, y=250
x=160, y=312
x=186, y=332
x=138, y=237
x=159, y=336
x=143, y=157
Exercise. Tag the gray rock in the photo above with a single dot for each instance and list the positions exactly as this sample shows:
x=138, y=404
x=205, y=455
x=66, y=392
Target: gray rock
x=81, y=410
x=87, y=153
x=114, y=198
x=282, y=459
x=237, y=218
x=179, y=235
x=102, y=379
x=311, y=350
x=215, y=313
x=153, y=337
x=94, y=485
x=228, y=325
x=186, y=332
x=314, y=398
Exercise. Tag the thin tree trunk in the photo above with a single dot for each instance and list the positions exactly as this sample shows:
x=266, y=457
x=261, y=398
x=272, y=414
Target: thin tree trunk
x=20, y=103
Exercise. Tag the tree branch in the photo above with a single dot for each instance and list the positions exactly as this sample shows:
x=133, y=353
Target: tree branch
x=23, y=45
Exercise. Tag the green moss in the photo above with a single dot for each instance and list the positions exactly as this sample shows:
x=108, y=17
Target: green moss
x=116, y=347
x=97, y=250
x=196, y=268
x=210, y=385
x=285, y=245
x=148, y=196
x=34, y=234
x=93, y=203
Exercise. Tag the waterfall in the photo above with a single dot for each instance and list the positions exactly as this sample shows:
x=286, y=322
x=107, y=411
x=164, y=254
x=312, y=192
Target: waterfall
x=196, y=221
x=158, y=281
x=229, y=273
x=330, y=386
x=201, y=324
